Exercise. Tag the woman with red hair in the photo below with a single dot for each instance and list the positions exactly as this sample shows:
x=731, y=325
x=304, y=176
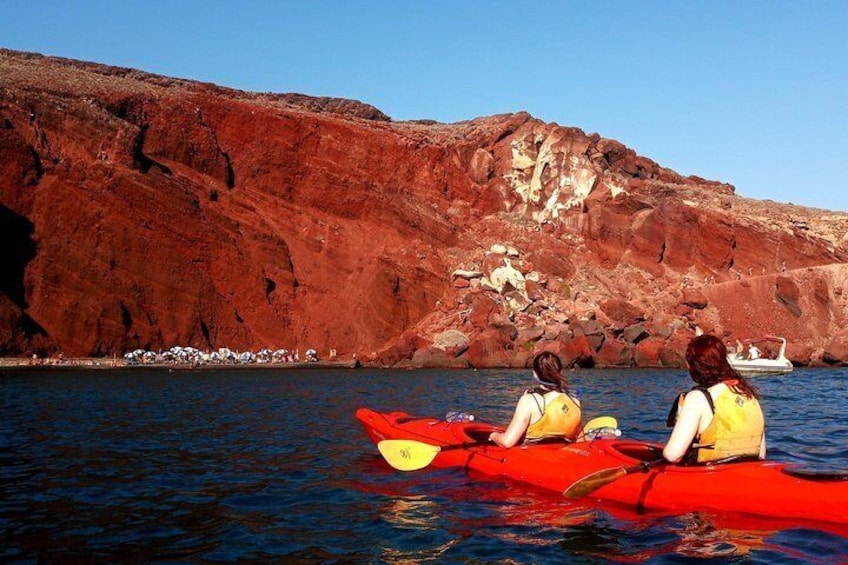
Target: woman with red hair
x=720, y=418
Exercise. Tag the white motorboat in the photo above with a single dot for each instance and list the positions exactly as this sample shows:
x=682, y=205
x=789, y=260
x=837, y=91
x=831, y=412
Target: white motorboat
x=753, y=365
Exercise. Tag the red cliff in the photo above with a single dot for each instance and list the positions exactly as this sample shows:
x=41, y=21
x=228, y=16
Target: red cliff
x=140, y=211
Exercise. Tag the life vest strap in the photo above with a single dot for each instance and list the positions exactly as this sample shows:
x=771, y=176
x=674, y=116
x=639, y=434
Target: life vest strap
x=672, y=413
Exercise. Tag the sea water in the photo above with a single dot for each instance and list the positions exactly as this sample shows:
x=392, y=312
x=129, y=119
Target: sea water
x=232, y=466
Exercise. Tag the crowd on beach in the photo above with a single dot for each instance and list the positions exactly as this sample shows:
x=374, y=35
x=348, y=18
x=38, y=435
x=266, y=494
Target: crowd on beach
x=60, y=361
x=194, y=357
x=177, y=355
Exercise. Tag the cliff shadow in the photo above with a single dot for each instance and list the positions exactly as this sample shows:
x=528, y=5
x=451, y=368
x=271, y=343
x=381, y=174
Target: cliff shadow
x=17, y=251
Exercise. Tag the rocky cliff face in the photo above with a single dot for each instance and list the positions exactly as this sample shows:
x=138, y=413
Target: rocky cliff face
x=144, y=211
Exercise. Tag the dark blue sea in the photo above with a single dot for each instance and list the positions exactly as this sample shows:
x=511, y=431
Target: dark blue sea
x=270, y=466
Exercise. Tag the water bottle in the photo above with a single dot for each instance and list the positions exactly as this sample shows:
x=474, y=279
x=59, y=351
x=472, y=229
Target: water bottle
x=459, y=417
x=603, y=433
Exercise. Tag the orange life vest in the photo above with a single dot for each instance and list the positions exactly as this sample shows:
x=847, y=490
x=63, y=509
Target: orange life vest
x=561, y=416
x=736, y=429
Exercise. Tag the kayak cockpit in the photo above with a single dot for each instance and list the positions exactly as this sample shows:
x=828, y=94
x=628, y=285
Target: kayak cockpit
x=478, y=432
x=636, y=450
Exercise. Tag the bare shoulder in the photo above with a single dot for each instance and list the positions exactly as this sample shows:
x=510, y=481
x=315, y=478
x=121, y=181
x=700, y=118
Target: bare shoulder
x=526, y=399
x=695, y=399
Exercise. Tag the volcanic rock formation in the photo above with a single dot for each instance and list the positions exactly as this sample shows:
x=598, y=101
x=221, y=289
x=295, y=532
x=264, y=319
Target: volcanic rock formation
x=140, y=211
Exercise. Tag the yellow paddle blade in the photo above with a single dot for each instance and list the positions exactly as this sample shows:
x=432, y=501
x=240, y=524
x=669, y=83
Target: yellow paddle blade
x=593, y=482
x=600, y=422
x=407, y=454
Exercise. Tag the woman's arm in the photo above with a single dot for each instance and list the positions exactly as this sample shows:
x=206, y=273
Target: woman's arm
x=763, y=447
x=519, y=424
x=686, y=427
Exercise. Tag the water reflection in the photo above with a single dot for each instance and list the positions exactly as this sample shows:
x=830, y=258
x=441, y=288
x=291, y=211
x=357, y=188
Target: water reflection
x=700, y=537
x=435, y=554
x=414, y=513
x=692, y=535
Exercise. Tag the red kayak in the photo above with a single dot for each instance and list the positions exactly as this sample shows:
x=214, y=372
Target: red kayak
x=618, y=470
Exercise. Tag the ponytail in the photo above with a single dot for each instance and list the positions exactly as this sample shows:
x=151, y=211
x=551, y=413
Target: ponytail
x=547, y=369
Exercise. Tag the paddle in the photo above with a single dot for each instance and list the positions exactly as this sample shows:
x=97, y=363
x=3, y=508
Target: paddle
x=599, y=425
x=591, y=483
x=412, y=455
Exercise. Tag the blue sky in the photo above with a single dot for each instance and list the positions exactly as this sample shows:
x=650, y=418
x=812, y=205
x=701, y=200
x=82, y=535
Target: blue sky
x=751, y=93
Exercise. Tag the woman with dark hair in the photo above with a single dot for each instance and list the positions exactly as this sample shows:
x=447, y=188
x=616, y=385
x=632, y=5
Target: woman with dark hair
x=721, y=417
x=549, y=410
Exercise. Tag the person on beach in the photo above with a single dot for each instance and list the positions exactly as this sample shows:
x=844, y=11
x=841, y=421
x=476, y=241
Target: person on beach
x=721, y=417
x=549, y=410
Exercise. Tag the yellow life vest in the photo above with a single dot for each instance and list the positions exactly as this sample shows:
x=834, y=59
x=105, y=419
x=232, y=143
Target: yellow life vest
x=560, y=417
x=736, y=429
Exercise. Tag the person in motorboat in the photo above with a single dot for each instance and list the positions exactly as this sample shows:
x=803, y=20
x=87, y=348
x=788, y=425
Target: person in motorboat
x=720, y=418
x=740, y=349
x=753, y=352
x=549, y=410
